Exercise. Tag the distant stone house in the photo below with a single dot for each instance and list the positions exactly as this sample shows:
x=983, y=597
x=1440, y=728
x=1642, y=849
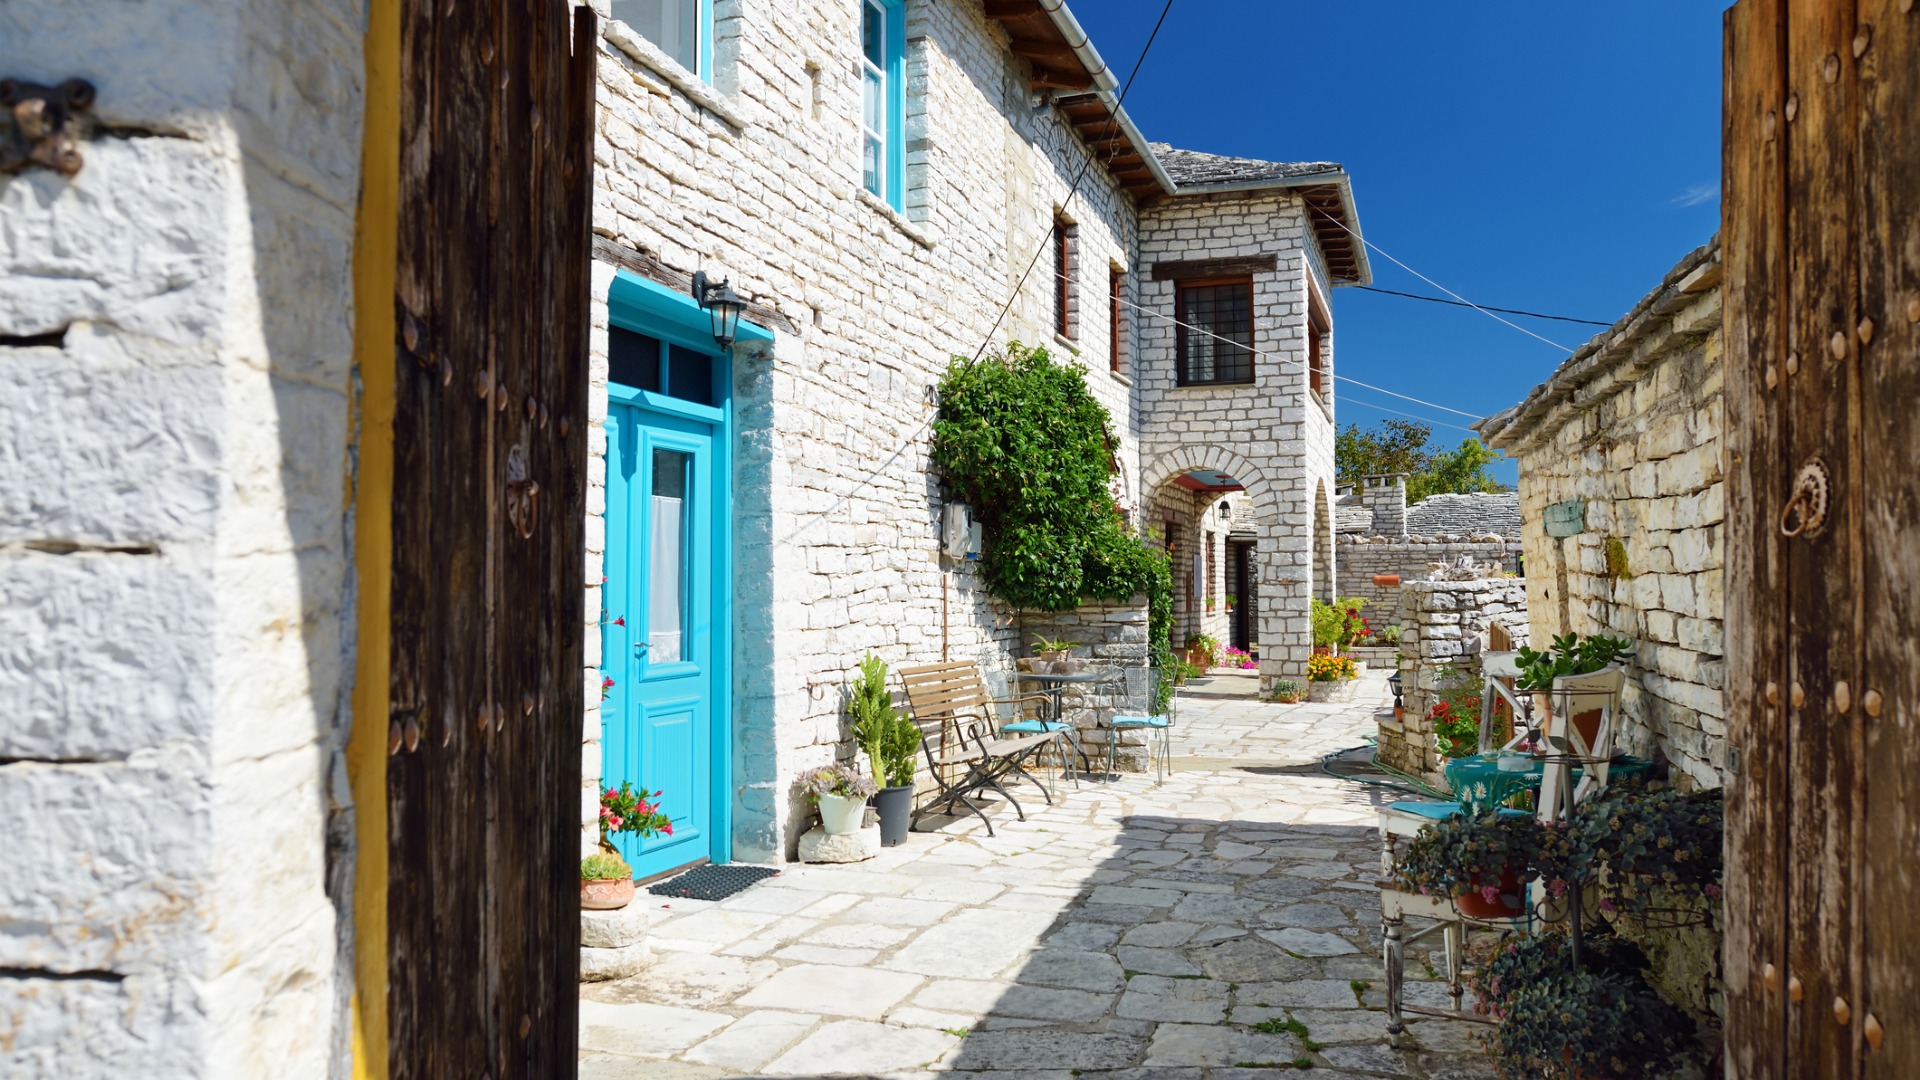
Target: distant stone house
x=879, y=180
x=1385, y=544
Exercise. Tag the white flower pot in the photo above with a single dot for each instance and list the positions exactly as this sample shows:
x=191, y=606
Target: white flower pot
x=841, y=814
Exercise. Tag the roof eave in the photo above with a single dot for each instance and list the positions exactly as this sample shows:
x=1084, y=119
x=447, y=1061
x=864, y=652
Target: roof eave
x=1104, y=85
x=1339, y=178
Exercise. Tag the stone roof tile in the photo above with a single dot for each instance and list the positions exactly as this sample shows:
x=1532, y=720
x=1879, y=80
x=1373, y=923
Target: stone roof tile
x=1193, y=167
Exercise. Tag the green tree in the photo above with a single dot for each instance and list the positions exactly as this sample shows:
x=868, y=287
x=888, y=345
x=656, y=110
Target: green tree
x=1400, y=446
x=1462, y=469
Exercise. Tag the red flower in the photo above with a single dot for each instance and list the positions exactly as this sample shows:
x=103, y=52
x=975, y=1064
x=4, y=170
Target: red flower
x=667, y=828
x=621, y=621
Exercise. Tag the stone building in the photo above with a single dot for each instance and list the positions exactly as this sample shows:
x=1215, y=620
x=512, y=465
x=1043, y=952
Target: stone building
x=1623, y=495
x=1383, y=538
x=874, y=246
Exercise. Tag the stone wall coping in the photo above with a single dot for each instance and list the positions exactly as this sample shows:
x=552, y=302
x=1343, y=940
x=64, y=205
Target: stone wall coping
x=645, y=52
x=897, y=219
x=1474, y=585
x=1641, y=335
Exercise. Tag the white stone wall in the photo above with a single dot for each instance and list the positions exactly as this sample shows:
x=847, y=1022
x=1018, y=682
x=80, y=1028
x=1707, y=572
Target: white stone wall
x=1271, y=435
x=174, y=564
x=1640, y=442
x=1444, y=626
x=1413, y=559
x=836, y=512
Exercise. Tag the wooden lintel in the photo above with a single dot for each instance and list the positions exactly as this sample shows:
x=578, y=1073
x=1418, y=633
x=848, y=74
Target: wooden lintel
x=998, y=10
x=1044, y=79
x=1052, y=53
x=1191, y=269
x=616, y=254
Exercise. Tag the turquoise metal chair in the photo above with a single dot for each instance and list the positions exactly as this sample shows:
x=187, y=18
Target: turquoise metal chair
x=1156, y=726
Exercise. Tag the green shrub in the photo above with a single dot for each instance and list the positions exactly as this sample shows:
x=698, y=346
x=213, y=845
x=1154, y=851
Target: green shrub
x=1594, y=1023
x=1024, y=443
x=1570, y=654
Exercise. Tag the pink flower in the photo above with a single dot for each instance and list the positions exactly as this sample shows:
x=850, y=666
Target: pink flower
x=667, y=828
x=1489, y=893
x=1557, y=888
x=1713, y=892
x=1606, y=904
x=613, y=821
x=621, y=621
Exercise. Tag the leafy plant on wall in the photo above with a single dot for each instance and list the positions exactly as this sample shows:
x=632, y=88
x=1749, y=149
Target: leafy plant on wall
x=1023, y=441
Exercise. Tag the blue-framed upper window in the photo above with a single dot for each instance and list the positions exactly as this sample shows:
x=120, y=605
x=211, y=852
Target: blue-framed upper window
x=682, y=28
x=883, y=100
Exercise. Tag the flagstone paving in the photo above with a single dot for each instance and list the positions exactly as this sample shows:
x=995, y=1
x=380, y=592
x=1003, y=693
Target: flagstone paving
x=1188, y=931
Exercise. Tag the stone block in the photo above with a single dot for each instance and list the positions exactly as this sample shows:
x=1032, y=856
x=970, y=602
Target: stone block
x=602, y=965
x=856, y=846
x=614, y=929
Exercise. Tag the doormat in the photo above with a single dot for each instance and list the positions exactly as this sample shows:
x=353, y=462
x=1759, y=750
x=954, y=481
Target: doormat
x=712, y=882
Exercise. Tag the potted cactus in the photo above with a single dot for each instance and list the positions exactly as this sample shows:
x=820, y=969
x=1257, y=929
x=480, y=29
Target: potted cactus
x=1286, y=692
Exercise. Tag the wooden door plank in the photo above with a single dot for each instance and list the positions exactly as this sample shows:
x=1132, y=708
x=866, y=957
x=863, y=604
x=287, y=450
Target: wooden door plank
x=1753, y=249
x=1822, y=598
x=1887, y=207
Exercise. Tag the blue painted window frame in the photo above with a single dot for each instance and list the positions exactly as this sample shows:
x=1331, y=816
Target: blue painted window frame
x=703, y=20
x=894, y=142
x=647, y=307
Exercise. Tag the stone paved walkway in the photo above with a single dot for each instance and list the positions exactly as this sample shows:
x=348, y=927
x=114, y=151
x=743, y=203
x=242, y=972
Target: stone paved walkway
x=1221, y=926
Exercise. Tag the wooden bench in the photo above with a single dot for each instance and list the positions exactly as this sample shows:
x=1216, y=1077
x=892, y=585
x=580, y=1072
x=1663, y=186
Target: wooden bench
x=959, y=735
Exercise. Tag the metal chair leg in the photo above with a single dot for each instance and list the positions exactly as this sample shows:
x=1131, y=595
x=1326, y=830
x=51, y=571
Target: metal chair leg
x=1395, y=958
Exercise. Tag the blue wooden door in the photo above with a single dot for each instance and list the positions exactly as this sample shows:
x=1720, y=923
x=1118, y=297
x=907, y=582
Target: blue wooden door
x=659, y=643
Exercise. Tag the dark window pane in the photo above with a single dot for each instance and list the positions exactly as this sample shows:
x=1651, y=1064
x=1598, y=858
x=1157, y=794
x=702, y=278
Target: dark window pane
x=1218, y=348
x=873, y=30
x=690, y=376
x=674, y=25
x=633, y=359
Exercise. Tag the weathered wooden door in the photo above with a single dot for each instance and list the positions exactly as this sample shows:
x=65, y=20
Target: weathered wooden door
x=1821, y=233
x=490, y=460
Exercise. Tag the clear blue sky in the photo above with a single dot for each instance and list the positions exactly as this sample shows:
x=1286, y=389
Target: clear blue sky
x=1552, y=157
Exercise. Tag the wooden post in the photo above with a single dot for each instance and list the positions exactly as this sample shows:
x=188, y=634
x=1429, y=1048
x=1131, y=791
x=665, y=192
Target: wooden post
x=489, y=497
x=1822, y=336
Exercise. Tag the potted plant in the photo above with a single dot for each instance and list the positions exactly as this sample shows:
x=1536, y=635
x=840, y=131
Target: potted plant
x=1589, y=1024
x=840, y=793
x=1483, y=863
x=1330, y=676
x=1202, y=651
x=890, y=739
x=1052, y=656
x=1231, y=600
x=627, y=810
x=606, y=882
x=1286, y=691
x=1570, y=654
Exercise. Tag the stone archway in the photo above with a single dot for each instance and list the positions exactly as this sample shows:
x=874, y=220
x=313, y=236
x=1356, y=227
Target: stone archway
x=1178, y=487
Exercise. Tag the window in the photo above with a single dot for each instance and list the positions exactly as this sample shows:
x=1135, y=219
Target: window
x=882, y=100
x=683, y=29
x=1219, y=347
x=1066, y=306
x=1116, y=295
x=647, y=363
x=1319, y=326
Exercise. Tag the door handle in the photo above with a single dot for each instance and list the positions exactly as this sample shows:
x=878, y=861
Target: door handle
x=640, y=648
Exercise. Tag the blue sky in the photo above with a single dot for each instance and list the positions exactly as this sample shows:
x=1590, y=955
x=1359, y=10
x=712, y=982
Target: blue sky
x=1551, y=157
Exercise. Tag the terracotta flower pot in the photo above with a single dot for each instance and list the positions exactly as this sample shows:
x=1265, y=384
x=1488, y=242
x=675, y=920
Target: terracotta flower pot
x=1476, y=906
x=1386, y=581
x=606, y=894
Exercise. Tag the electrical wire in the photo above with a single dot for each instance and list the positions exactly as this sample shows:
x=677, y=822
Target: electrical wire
x=1462, y=303
x=1113, y=124
x=1484, y=311
x=1302, y=364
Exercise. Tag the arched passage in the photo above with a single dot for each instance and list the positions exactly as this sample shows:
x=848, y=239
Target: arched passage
x=1323, y=575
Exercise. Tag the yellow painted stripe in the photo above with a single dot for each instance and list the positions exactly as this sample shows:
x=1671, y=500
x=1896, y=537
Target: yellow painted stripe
x=374, y=257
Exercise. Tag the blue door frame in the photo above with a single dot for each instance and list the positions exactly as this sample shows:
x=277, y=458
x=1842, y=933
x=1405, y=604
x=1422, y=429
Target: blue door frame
x=673, y=318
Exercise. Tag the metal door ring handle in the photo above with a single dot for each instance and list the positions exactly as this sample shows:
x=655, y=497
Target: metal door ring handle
x=1806, y=510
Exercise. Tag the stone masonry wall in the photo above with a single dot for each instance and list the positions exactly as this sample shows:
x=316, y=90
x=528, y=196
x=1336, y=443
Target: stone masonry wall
x=1445, y=624
x=1272, y=435
x=757, y=177
x=174, y=564
x=1631, y=426
x=1479, y=513
x=1113, y=638
x=1411, y=557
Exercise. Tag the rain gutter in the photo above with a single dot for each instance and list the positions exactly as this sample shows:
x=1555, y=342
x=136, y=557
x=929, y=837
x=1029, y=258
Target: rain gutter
x=1104, y=85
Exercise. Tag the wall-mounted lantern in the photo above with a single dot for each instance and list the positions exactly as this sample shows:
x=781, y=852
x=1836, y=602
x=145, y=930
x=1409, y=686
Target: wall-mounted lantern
x=722, y=306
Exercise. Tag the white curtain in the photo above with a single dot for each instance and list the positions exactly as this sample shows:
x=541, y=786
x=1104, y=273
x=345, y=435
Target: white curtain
x=664, y=616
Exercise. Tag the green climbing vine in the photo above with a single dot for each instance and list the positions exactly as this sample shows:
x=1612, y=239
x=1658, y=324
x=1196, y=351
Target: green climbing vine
x=1022, y=441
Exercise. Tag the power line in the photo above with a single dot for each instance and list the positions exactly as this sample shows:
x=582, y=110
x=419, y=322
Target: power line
x=1462, y=303
x=1113, y=123
x=1484, y=311
x=1302, y=364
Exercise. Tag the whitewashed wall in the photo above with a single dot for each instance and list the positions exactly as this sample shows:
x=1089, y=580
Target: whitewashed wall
x=836, y=510
x=174, y=572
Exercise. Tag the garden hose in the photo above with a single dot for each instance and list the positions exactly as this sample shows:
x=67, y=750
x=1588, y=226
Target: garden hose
x=1404, y=782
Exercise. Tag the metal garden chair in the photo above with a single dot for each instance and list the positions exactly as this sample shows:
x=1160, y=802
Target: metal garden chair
x=1155, y=725
x=957, y=719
